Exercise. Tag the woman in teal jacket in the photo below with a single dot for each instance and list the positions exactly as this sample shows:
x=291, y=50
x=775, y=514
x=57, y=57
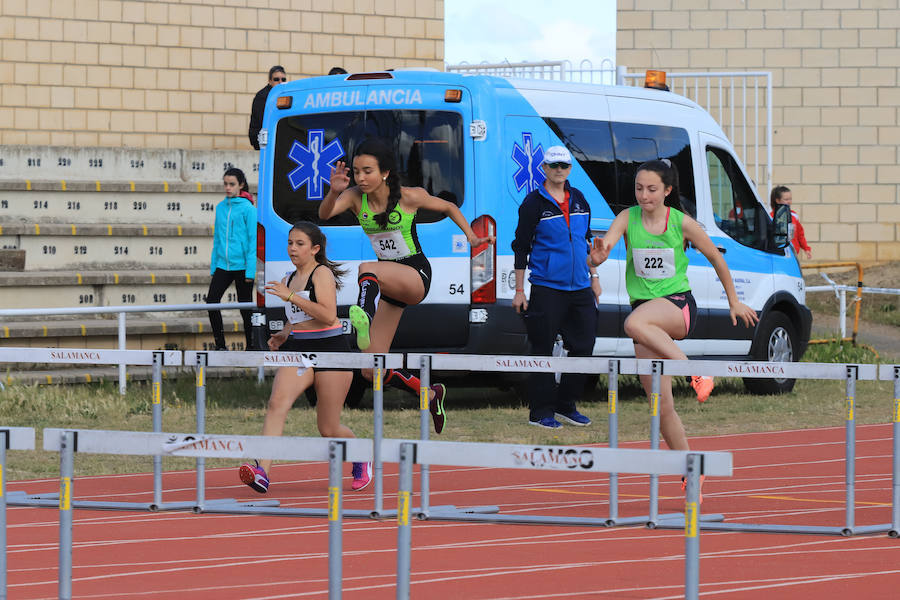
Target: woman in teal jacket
x=233, y=252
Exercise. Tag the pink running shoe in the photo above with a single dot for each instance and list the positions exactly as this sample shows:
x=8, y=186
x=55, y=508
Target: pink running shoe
x=684, y=487
x=255, y=476
x=362, y=475
x=703, y=385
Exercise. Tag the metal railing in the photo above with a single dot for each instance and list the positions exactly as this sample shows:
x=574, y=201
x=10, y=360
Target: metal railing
x=121, y=311
x=842, y=297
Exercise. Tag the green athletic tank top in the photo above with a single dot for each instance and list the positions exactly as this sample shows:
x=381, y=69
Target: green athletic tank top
x=396, y=241
x=655, y=265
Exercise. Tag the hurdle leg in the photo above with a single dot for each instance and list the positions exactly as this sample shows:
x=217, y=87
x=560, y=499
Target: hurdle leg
x=691, y=528
x=335, y=521
x=850, y=443
x=657, y=367
x=66, y=466
x=4, y=442
x=201, y=426
x=895, y=503
x=612, y=398
x=156, y=404
x=404, y=532
x=424, y=422
x=378, y=433
x=122, y=346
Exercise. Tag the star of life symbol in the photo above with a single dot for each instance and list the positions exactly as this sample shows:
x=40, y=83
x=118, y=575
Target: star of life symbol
x=530, y=175
x=314, y=163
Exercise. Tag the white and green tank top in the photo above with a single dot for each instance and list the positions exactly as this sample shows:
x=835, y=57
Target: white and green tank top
x=655, y=265
x=397, y=240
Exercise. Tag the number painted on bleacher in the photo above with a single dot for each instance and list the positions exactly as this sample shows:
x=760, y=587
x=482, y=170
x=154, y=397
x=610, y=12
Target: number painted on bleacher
x=159, y=297
x=128, y=299
x=137, y=164
x=85, y=298
x=139, y=205
x=190, y=250
x=38, y=204
x=34, y=162
x=95, y=163
x=173, y=206
x=169, y=164
x=207, y=206
x=198, y=166
x=120, y=250
x=80, y=249
x=199, y=297
x=73, y=205
x=156, y=250
x=114, y=205
x=230, y=297
x=63, y=161
x=51, y=250
x=227, y=165
x=4, y=204
x=255, y=167
x=236, y=346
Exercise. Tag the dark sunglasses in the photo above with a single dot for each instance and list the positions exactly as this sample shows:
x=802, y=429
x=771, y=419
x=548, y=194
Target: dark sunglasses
x=279, y=79
x=559, y=165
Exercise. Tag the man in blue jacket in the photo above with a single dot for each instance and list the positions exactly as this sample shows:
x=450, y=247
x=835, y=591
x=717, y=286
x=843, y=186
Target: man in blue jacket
x=553, y=241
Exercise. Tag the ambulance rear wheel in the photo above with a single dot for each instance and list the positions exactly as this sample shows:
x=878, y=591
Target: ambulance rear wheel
x=776, y=342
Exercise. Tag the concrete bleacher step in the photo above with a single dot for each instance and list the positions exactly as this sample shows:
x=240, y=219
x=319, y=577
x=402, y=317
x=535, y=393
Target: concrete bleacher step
x=139, y=287
x=78, y=245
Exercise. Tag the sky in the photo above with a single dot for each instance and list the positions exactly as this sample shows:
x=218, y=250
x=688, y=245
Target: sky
x=477, y=31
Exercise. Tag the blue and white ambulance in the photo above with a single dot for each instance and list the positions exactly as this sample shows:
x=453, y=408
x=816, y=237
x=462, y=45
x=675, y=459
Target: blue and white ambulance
x=478, y=141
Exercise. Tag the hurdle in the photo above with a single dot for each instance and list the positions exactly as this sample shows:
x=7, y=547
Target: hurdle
x=11, y=438
x=405, y=452
x=155, y=358
x=546, y=364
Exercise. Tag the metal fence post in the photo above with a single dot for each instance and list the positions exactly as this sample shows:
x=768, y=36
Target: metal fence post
x=156, y=404
x=850, y=456
x=66, y=466
x=335, y=519
x=201, y=425
x=657, y=367
x=404, y=531
x=424, y=423
x=378, y=434
x=692, y=528
x=895, y=500
x=612, y=400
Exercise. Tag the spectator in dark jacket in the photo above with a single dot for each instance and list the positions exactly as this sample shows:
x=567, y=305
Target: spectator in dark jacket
x=276, y=76
x=553, y=239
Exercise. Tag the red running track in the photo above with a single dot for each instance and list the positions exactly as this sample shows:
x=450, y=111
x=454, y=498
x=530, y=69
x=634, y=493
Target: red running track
x=782, y=477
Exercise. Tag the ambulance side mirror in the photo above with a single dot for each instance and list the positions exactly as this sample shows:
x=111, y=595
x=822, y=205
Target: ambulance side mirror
x=782, y=221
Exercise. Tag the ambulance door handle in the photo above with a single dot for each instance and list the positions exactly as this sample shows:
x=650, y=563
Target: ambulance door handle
x=722, y=249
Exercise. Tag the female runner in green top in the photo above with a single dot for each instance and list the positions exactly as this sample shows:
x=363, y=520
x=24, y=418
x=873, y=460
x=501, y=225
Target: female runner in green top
x=402, y=275
x=663, y=309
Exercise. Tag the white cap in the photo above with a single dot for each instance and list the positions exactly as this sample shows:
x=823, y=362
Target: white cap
x=557, y=154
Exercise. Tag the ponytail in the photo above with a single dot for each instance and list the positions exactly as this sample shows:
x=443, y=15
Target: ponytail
x=317, y=238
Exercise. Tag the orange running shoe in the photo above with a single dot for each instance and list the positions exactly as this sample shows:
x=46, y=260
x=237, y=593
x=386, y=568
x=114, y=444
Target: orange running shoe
x=703, y=385
x=684, y=487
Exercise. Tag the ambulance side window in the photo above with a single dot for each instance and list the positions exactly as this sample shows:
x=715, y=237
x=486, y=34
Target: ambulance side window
x=735, y=208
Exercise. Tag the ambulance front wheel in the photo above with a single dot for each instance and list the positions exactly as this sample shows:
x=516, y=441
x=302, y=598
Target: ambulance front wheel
x=776, y=342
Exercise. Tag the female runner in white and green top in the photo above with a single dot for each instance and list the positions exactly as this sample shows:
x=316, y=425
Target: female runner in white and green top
x=402, y=275
x=663, y=309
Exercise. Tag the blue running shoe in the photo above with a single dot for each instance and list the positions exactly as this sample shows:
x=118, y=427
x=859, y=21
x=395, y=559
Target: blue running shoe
x=255, y=476
x=546, y=423
x=360, y=321
x=573, y=418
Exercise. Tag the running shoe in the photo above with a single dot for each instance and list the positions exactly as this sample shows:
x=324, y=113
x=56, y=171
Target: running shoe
x=255, y=476
x=573, y=418
x=546, y=423
x=436, y=406
x=703, y=385
x=700, y=495
x=360, y=321
x=362, y=475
